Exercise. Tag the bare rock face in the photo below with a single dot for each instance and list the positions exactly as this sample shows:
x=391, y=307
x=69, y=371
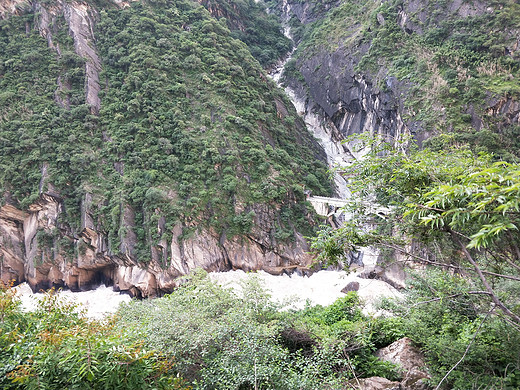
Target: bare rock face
x=37, y=248
x=11, y=7
x=81, y=18
x=374, y=383
x=421, y=12
x=507, y=109
x=11, y=244
x=410, y=359
x=374, y=102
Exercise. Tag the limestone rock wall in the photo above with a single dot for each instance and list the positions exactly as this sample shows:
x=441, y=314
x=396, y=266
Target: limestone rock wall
x=350, y=102
x=37, y=248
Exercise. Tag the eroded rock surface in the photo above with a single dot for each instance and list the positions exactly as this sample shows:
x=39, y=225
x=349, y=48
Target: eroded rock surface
x=351, y=101
x=35, y=247
x=392, y=274
x=411, y=362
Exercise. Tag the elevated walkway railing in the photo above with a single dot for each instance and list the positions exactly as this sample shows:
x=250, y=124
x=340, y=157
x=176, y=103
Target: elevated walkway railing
x=328, y=207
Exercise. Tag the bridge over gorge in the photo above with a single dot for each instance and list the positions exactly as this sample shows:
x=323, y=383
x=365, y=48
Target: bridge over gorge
x=327, y=206
x=333, y=207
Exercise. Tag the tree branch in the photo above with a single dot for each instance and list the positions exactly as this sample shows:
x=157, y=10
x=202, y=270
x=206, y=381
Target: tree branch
x=447, y=297
x=467, y=348
x=483, y=279
x=504, y=257
x=513, y=244
x=455, y=267
x=501, y=275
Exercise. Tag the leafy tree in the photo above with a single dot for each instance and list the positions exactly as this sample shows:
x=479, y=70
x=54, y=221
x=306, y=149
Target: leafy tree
x=464, y=201
x=453, y=210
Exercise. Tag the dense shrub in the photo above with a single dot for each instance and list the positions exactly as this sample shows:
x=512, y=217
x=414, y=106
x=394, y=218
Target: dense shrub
x=56, y=347
x=227, y=341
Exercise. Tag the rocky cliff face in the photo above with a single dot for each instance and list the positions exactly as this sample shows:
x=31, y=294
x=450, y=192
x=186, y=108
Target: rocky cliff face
x=327, y=81
x=35, y=247
x=80, y=18
x=389, y=69
x=354, y=91
x=40, y=245
x=350, y=103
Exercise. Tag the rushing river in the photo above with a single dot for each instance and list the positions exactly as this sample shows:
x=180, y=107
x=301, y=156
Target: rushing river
x=321, y=288
x=97, y=303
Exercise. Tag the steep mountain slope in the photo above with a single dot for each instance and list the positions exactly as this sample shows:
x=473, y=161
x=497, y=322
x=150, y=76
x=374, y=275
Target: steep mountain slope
x=249, y=22
x=447, y=72
x=138, y=141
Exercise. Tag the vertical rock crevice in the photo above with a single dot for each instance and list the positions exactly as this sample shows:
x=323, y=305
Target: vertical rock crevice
x=81, y=19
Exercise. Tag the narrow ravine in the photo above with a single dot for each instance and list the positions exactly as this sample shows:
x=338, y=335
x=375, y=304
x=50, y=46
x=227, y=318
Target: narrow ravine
x=337, y=155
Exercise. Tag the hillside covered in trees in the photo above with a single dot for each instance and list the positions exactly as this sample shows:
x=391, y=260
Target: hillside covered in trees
x=146, y=136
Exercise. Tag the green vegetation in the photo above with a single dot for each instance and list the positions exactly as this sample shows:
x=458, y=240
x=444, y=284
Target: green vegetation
x=451, y=67
x=443, y=313
x=460, y=213
x=34, y=130
x=456, y=65
x=56, y=348
x=190, y=129
x=206, y=334
x=223, y=341
x=213, y=338
x=249, y=22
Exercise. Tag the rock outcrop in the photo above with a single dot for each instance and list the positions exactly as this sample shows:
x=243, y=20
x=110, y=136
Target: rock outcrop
x=80, y=18
x=35, y=247
x=341, y=98
x=411, y=362
x=12, y=7
x=392, y=274
x=374, y=383
x=411, y=365
x=346, y=101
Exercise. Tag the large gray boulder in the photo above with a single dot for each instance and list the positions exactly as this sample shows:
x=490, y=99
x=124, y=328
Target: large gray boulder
x=411, y=362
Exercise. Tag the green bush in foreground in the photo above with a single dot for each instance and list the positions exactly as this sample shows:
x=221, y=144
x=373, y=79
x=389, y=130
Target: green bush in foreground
x=220, y=340
x=457, y=328
x=57, y=348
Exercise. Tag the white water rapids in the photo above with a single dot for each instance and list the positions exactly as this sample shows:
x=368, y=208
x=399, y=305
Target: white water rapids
x=321, y=288
x=96, y=303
